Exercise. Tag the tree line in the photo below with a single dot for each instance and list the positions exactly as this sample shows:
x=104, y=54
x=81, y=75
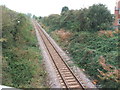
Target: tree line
x=96, y=17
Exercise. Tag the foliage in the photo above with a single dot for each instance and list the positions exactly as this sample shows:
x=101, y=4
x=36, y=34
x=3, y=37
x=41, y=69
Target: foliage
x=85, y=48
x=99, y=17
x=95, y=18
x=89, y=39
x=21, y=58
x=52, y=20
x=64, y=9
x=111, y=74
x=35, y=17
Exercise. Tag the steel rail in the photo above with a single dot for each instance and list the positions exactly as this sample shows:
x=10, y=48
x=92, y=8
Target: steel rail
x=54, y=62
x=62, y=77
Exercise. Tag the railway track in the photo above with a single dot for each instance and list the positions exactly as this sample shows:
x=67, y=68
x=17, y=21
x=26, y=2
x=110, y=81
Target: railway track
x=66, y=76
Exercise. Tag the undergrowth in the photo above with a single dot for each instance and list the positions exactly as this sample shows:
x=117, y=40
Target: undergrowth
x=88, y=36
x=86, y=50
x=22, y=66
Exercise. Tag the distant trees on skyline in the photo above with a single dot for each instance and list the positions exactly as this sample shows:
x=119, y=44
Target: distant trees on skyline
x=96, y=17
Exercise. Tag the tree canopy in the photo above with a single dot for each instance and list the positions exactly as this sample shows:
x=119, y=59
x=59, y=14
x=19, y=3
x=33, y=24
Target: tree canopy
x=64, y=9
x=94, y=18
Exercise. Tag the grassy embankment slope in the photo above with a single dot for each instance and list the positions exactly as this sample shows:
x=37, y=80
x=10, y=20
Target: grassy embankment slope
x=95, y=51
x=21, y=62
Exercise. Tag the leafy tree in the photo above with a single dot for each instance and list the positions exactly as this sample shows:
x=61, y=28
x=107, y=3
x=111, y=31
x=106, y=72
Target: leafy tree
x=82, y=20
x=68, y=20
x=94, y=18
x=53, y=21
x=64, y=9
x=35, y=17
x=99, y=17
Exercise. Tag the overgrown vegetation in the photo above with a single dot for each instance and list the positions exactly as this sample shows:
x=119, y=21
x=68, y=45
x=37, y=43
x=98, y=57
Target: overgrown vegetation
x=86, y=48
x=95, y=18
x=87, y=35
x=22, y=66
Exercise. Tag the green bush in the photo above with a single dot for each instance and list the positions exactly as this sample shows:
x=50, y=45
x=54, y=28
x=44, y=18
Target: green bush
x=96, y=17
x=85, y=48
x=21, y=59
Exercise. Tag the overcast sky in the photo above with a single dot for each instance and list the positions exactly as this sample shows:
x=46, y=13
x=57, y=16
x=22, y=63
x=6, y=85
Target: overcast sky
x=47, y=7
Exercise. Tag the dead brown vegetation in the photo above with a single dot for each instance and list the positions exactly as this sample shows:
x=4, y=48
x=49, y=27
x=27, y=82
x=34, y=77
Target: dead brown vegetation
x=108, y=33
x=64, y=35
x=112, y=73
